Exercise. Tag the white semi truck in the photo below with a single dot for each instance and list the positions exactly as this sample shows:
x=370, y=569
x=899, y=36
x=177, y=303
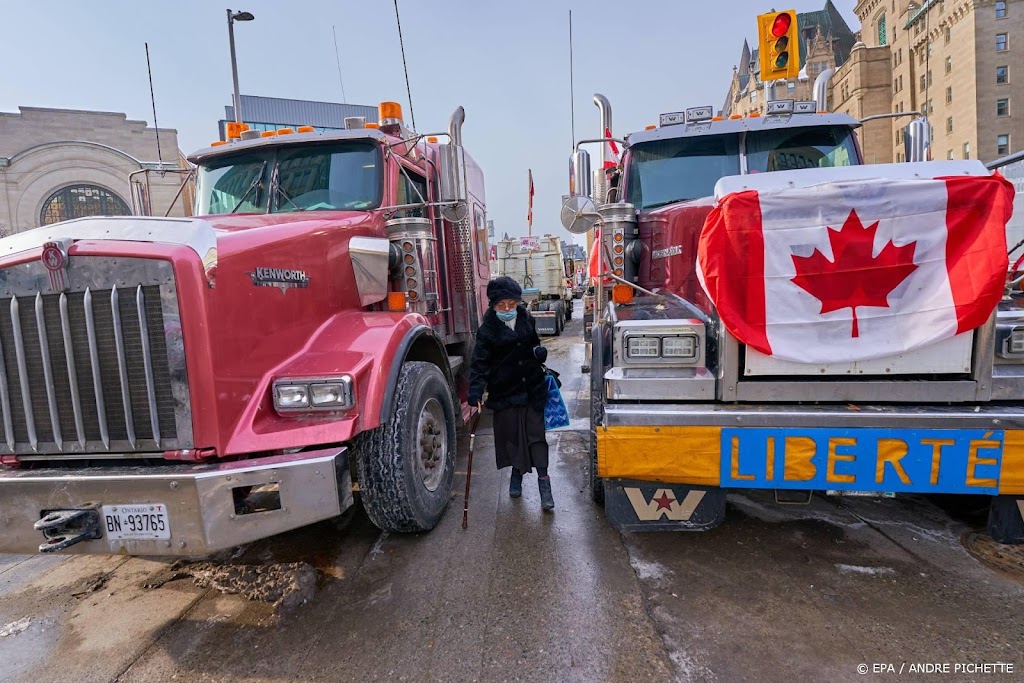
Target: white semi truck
x=536, y=264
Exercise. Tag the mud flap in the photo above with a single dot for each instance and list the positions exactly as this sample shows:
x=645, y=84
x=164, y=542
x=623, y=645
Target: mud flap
x=1006, y=520
x=645, y=506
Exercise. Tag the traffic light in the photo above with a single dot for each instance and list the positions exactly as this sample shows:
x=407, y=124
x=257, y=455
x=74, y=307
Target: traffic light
x=779, y=43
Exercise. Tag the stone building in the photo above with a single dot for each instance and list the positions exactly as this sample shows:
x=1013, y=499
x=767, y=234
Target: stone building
x=954, y=61
x=57, y=164
x=861, y=88
x=826, y=42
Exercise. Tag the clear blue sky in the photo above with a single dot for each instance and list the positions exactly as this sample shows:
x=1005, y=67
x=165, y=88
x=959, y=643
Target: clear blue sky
x=505, y=62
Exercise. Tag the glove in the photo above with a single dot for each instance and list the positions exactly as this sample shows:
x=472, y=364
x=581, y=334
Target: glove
x=540, y=353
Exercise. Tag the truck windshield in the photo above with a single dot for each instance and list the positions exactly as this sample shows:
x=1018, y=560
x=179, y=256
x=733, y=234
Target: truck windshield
x=344, y=176
x=793, y=148
x=666, y=171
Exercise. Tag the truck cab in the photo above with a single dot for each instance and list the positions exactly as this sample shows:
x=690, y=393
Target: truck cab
x=688, y=405
x=179, y=386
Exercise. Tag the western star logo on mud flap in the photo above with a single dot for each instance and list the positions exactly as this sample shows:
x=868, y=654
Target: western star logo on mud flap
x=282, y=278
x=663, y=503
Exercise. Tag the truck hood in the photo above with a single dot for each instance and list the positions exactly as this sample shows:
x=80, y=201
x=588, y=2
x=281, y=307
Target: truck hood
x=669, y=235
x=211, y=238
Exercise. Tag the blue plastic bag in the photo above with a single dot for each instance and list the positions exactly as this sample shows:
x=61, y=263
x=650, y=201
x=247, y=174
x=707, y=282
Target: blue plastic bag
x=555, y=413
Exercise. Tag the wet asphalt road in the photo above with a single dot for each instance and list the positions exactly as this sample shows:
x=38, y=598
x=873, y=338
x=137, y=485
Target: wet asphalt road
x=777, y=593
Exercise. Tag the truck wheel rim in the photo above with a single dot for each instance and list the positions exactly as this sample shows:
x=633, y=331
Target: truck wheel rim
x=433, y=445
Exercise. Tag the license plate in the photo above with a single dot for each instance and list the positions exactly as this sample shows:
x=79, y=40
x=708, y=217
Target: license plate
x=136, y=522
x=863, y=460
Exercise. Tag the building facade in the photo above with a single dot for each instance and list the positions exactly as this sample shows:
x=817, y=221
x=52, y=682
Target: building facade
x=274, y=113
x=861, y=88
x=59, y=164
x=955, y=62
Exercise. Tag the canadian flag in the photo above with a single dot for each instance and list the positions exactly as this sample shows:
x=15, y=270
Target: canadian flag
x=858, y=269
x=613, y=151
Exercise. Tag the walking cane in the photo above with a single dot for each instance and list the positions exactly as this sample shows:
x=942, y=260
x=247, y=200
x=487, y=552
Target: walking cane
x=469, y=468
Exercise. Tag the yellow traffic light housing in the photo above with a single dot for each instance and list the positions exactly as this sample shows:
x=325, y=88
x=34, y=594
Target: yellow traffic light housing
x=779, y=42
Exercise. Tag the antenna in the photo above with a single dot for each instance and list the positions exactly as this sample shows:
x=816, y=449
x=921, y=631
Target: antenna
x=152, y=99
x=337, y=58
x=405, y=67
x=572, y=101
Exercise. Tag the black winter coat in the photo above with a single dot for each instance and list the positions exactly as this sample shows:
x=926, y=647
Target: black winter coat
x=504, y=363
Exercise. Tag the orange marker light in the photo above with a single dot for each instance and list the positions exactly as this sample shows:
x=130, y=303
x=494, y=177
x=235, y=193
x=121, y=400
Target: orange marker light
x=622, y=294
x=716, y=118
x=649, y=127
x=285, y=131
x=268, y=133
x=736, y=116
x=431, y=139
x=396, y=301
x=371, y=124
x=390, y=110
x=754, y=114
x=217, y=143
x=305, y=129
x=234, y=129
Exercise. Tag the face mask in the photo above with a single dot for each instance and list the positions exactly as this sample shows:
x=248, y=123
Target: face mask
x=507, y=315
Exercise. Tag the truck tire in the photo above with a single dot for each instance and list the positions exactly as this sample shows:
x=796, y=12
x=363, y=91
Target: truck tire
x=568, y=310
x=406, y=466
x=559, y=318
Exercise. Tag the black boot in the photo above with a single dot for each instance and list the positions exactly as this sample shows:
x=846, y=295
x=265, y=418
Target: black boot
x=515, y=484
x=547, y=502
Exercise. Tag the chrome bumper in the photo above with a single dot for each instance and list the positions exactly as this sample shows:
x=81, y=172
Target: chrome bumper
x=202, y=514
x=897, y=417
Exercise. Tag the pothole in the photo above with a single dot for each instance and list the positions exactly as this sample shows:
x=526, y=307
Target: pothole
x=1005, y=559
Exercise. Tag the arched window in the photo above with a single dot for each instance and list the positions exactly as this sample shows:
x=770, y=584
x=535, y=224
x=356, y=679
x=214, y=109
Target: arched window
x=883, y=37
x=79, y=201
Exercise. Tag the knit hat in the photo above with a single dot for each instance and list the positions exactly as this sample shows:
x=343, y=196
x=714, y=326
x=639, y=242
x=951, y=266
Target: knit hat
x=503, y=287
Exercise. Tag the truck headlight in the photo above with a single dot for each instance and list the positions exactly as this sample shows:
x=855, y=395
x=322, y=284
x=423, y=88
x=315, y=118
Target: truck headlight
x=1010, y=340
x=1016, y=342
x=679, y=347
x=291, y=396
x=643, y=347
x=653, y=343
x=328, y=395
x=322, y=393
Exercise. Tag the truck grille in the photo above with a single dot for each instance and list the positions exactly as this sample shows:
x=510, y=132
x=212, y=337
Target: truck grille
x=90, y=371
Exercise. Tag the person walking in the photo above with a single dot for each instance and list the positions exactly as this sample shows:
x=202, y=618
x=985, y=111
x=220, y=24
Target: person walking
x=508, y=362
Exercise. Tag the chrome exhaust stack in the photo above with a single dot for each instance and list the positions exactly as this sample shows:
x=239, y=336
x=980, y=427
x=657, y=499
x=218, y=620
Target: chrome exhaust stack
x=600, y=181
x=821, y=88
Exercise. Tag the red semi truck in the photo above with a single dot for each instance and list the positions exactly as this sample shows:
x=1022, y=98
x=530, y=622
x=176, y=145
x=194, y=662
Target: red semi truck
x=736, y=345
x=179, y=386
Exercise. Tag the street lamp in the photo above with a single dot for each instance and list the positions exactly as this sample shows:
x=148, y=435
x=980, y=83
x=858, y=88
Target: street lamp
x=232, y=18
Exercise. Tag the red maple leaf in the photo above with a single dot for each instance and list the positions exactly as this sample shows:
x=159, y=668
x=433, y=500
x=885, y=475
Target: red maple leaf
x=854, y=278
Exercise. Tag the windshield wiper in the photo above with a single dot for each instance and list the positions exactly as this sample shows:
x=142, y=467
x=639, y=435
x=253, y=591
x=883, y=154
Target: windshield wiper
x=655, y=205
x=280, y=191
x=252, y=186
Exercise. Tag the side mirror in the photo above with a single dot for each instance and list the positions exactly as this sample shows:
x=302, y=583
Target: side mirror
x=580, y=169
x=917, y=139
x=579, y=214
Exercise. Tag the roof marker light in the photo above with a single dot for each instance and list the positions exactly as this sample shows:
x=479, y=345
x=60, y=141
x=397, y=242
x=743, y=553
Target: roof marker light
x=672, y=119
x=696, y=114
x=305, y=129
